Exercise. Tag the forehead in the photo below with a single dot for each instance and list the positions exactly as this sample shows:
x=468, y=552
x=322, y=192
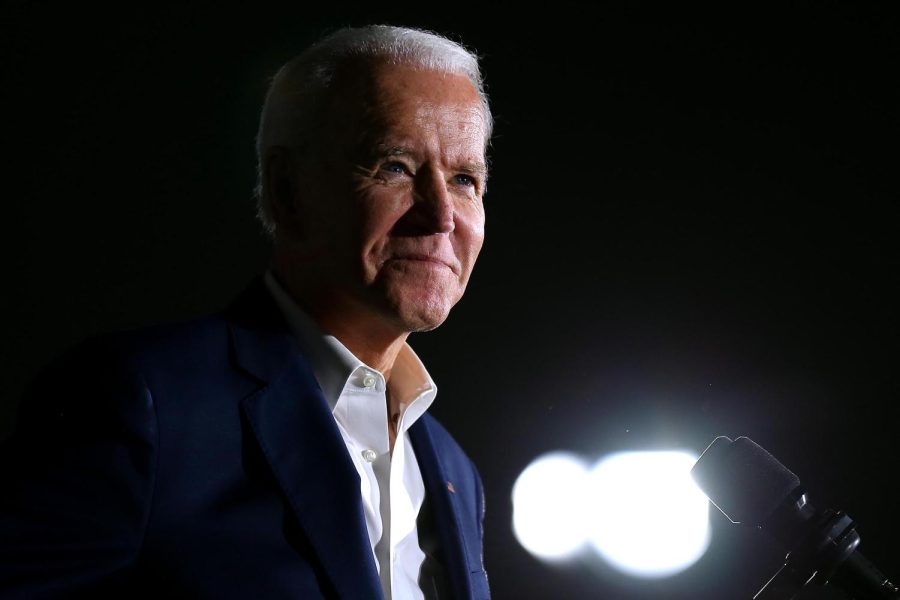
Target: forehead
x=377, y=100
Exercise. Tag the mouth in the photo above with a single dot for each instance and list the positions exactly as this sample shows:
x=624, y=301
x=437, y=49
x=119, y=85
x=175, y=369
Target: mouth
x=425, y=260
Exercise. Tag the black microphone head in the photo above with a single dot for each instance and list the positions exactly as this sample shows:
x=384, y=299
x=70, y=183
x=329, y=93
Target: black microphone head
x=744, y=481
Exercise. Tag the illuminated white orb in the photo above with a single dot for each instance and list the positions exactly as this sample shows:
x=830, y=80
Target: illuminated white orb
x=647, y=517
x=549, y=506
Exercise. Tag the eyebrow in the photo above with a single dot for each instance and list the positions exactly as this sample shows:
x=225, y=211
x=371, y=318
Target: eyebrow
x=383, y=149
x=477, y=168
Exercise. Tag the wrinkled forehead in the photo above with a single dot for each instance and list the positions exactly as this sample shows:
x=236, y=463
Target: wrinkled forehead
x=367, y=96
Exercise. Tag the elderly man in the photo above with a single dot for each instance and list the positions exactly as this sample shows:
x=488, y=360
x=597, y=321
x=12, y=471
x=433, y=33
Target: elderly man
x=283, y=449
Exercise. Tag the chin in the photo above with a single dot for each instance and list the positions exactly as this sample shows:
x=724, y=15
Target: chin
x=423, y=312
x=422, y=318
x=421, y=307
x=425, y=325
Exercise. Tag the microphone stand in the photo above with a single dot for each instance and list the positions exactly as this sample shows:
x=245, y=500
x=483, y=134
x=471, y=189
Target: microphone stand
x=743, y=480
x=823, y=550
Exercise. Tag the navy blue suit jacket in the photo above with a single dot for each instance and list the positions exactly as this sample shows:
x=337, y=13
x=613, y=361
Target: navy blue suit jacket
x=201, y=461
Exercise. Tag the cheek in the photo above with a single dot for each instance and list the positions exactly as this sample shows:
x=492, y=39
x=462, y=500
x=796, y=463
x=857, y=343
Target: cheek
x=472, y=224
x=469, y=239
x=377, y=217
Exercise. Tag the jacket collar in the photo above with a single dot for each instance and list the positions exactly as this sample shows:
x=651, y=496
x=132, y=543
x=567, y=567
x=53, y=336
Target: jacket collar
x=293, y=424
x=299, y=438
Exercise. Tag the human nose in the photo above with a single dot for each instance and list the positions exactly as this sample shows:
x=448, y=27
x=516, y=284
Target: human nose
x=433, y=202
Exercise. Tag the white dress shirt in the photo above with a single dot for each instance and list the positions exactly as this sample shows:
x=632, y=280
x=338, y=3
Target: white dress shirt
x=391, y=485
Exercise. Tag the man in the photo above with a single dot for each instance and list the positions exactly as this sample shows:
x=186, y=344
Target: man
x=283, y=449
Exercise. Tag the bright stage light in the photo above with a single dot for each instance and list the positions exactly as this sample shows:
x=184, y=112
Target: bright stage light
x=647, y=517
x=548, y=506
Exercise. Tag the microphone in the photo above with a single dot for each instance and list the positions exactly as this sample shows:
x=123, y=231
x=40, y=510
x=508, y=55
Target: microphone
x=751, y=487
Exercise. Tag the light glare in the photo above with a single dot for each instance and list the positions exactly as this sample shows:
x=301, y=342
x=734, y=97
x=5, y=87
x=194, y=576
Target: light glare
x=649, y=519
x=548, y=506
x=640, y=511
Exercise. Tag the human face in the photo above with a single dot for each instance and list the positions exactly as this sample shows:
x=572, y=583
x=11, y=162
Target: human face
x=404, y=176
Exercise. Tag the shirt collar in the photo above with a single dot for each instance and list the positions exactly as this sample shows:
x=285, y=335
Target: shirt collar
x=336, y=367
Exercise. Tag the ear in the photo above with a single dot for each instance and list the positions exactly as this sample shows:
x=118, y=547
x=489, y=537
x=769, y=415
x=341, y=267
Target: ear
x=280, y=176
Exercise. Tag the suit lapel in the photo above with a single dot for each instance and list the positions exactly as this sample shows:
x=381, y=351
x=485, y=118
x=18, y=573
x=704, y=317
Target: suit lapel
x=444, y=505
x=299, y=438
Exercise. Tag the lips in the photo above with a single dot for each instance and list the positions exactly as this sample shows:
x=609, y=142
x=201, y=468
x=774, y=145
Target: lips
x=427, y=258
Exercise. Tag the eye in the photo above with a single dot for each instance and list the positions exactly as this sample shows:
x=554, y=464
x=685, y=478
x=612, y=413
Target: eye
x=464, y=180
x=394, y=167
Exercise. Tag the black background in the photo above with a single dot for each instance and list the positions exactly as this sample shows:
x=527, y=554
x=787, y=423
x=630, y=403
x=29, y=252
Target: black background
x=691, y=232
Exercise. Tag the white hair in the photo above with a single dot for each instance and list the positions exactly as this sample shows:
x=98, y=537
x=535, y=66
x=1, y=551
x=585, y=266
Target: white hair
x=301, y=88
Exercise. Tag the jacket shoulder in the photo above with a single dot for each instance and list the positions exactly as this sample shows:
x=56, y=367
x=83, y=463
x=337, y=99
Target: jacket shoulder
x=121, y=360
x=162, y=344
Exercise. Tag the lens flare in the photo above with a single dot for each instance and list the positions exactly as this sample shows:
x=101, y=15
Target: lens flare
x=640, y=511
x=648, y=518
x=548, y=506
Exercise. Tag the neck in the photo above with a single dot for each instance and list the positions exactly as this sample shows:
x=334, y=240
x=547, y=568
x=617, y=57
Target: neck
x=368, y=339
x=371, y=337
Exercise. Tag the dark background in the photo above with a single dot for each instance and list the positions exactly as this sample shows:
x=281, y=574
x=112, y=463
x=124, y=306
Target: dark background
x=691, y=232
